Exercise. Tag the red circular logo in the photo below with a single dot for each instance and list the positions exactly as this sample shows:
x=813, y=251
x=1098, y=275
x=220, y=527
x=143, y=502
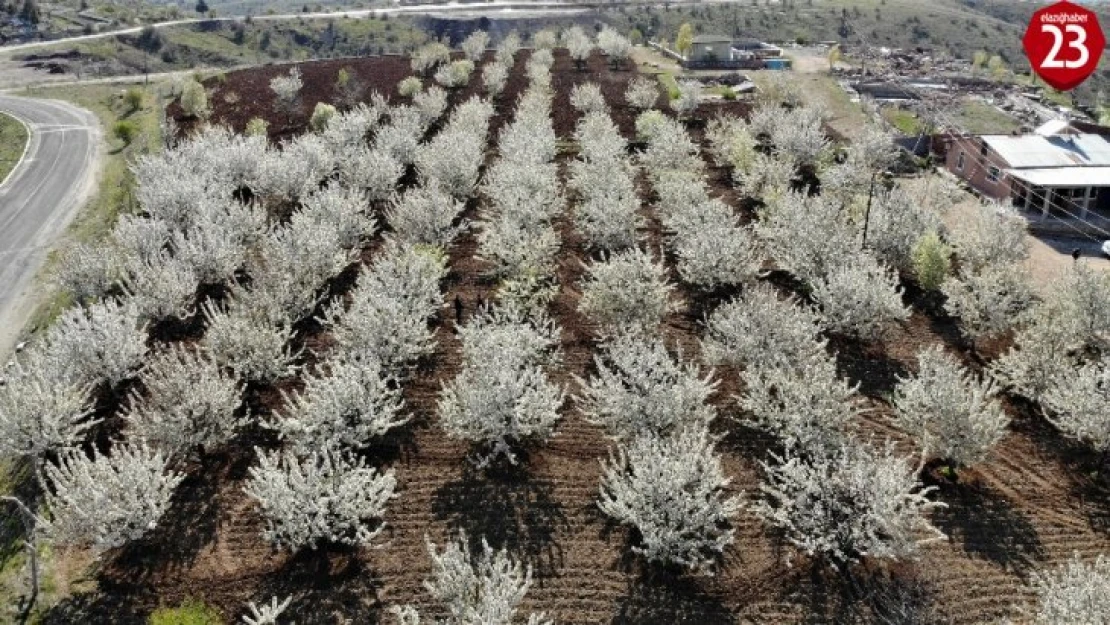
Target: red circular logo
x=1064, y=43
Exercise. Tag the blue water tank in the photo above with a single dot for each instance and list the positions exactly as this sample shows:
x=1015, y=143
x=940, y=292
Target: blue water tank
x=778, y=63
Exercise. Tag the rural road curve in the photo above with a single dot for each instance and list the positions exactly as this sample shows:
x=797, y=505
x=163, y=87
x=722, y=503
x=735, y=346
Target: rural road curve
x=40, y=197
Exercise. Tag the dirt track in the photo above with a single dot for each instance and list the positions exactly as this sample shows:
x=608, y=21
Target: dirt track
x=1031, y=505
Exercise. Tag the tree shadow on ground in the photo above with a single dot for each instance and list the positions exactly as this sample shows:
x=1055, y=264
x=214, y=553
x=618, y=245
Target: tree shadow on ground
x=989, y=526
x=866, y=364
x=327, y=586
x=96, y=607
x=510, y=509
x=660, y=597
x=877, y=596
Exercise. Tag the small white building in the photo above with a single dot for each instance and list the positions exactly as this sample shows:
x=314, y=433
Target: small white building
x=710, y=48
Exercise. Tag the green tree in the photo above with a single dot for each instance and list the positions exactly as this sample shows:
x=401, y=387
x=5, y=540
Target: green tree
x=997, y=67
x=125, y=131
x=979, y=59
x=931, y=261
x=30, y=12
x=134, y=99
x=636, y=37
x=684, y=42
x=256, y=127
x=202, y=6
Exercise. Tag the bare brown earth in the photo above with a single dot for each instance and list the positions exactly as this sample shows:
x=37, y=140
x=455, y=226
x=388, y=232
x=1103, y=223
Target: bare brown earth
x=1031, y=506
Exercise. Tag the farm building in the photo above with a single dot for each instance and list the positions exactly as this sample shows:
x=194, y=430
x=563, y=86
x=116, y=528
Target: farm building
x=1055, y=171
x=710, y=48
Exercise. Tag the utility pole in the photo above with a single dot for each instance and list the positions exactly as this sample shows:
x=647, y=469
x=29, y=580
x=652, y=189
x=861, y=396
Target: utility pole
x=867, y=213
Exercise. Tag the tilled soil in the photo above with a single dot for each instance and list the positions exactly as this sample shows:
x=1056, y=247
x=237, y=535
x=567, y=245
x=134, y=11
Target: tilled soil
x=1032, y=505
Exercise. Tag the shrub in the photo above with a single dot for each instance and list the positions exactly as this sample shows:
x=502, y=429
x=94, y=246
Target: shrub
x=587, y=97
x=857, y=501
x=1078, y=403
x=483, y=589
x=347, y=408
x=105, y=501
x=1073, y=593
x=990, y=236
x=161, y=287
x=373, y=170
x=990, y=302
x=689, y=95
x=455, y=75
x=615, y=46
x=672, y=490
x=431, y=104
x=642, y=93
x=189, y=402
x=714, y=255
x=321, y=116
x=190, y=612
x=39, y=411
x=194, y=100
x=799, y=136
x=626, y=292
x=255, y=348
x=344, y=210
x=134, y=97
x=409, y=86
x=545, y=40
x=860, y=298
x=429, y=56
x=953, y=415
x=897, y=223
x=257, y=127
x=103, y=342
x=426, y=215
x=648, y=124
x=494, y=77
x=328, y=496
x=87, y=270
x=507, y=49
x=805, y=405
x=501, y=402
x=474, y=46
x=125, y=131
x=930, y=261
x=578, y=45
x=758, y=330
x=640, y=388
x=287, y=90
x=731, y=144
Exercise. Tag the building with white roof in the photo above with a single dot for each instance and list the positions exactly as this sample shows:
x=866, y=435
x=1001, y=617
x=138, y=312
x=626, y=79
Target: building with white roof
x=1056, y=171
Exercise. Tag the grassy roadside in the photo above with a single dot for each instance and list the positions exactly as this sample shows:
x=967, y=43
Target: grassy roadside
x=114, y=186
x=13, y=140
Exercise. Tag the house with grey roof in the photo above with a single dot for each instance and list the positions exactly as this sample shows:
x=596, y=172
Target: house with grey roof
x=1056, y=171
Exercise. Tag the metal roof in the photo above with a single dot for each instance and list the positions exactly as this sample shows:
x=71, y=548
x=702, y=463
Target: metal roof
x=1030, y=151
x=712, y=39
x=1052, y=127
x=1064, y=176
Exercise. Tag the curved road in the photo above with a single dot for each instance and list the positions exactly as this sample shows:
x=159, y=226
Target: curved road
x=40, y=197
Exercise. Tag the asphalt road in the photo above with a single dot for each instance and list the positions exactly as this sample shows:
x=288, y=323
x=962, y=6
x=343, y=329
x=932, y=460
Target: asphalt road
x=40, y=197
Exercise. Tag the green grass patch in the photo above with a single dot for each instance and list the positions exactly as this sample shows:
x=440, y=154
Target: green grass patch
x=981, y=118
x=191, y=612
x=13, y=140
x=669, y=84
x=905, y=121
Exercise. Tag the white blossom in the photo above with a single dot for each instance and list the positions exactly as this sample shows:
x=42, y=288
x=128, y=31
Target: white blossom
x=349, y=406
x=642, y=93
x=689, y=95
x=344, y=210
x=578, y=44
x=672, y=490
x=327, y=496
x=615, y=46
x=953, y=415
x=1078, y=403
x=373, y=170
x=639, y=387
x=990, y=235
x=251, y=345
x=287, y=89
x=587, y=97
x=189, y=402
x=759, y=330
x=474, y=46
x=856, y=502
x=162, y=287
x=431, y=104
x=456, y=74
x=501, y=402
x=430, y=55
x=897, y=222
x=487, y=588
x=103, y=342
x=805, y=405
x=107, y=500
x=87, y=270
x=40, y=412
x=426, y=215
x=507, y=49
x=990, y=302
x=860, y=298
x=628, y=292
x=1074, y=593
x=494, y=77
x=267, y=613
